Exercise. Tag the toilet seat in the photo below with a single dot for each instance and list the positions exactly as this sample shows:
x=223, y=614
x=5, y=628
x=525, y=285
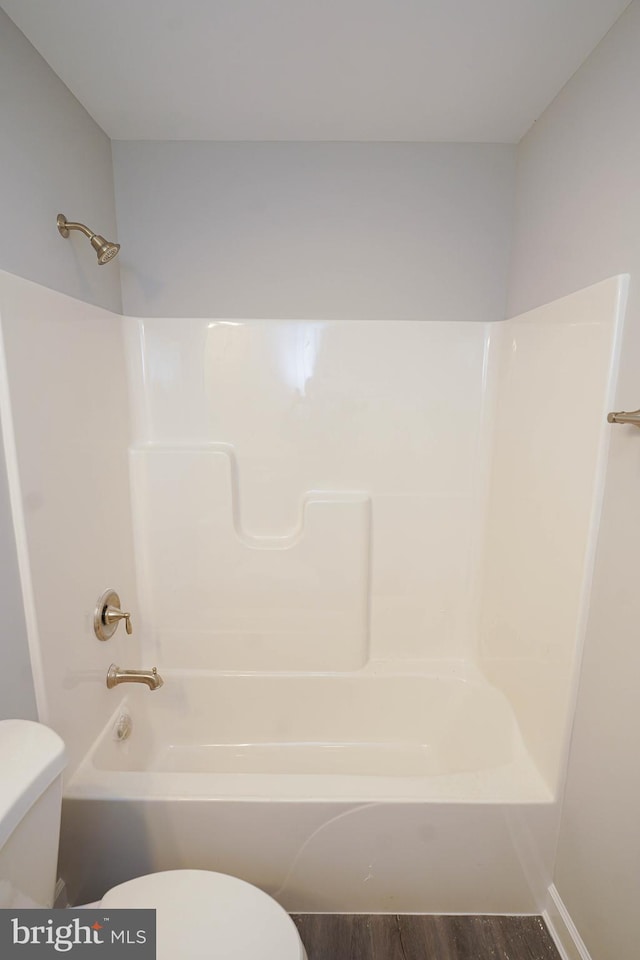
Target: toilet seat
x=202, y=915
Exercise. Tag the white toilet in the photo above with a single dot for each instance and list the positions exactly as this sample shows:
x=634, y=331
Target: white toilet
x=222, y=917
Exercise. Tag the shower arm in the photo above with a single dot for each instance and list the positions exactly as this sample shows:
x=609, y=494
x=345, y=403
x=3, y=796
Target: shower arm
x=64, y=226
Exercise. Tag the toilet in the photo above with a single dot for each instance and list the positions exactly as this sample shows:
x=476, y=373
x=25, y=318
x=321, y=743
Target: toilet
x=200, y=914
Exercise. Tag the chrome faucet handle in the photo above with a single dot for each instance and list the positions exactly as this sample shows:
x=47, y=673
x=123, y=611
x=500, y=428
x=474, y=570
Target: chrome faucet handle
x=108, y=615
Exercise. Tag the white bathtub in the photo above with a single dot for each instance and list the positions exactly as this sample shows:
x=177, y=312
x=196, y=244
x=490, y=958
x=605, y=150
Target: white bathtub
x=364, y=737
x=366, y=792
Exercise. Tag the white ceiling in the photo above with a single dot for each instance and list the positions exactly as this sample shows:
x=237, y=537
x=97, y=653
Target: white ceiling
x=460, y=70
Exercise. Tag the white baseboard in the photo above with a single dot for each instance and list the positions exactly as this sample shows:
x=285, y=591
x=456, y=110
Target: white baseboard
x=563, y=930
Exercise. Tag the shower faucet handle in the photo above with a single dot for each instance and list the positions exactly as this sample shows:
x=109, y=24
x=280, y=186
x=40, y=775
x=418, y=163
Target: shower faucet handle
x=108, y=615
x=114, y=615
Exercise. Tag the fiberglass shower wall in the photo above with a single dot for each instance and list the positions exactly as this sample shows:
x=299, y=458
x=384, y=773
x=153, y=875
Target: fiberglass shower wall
x=330, y=496
x=309, y=496
x=65, y=418
x=306, y=494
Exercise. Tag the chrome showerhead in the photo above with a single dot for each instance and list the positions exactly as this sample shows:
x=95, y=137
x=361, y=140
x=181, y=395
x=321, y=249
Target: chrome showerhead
x=105, y=250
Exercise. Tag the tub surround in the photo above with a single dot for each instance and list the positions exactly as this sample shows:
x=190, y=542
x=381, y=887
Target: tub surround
x=556, y=371
x=479, y=448
x=331, y=525
x=339, y=463
x=65, y=416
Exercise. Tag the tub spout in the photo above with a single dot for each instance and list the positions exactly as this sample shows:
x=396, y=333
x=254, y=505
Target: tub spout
x=151, y=677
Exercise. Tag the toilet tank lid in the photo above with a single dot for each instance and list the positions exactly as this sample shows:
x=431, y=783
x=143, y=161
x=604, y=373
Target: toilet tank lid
x=31, y=757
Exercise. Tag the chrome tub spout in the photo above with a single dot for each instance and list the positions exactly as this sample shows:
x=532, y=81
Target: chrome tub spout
x=151, y=677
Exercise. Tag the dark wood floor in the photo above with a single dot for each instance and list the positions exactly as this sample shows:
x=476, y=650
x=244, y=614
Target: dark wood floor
x=388, y=937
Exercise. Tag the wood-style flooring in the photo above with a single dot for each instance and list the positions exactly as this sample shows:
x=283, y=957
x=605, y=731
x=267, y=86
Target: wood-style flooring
x=389, y=937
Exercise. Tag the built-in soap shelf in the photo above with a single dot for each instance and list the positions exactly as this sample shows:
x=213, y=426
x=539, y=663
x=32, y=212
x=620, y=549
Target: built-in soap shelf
x=218, y=597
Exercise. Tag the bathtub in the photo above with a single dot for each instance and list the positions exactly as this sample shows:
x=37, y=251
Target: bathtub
x=366, y=792
x=364, y=737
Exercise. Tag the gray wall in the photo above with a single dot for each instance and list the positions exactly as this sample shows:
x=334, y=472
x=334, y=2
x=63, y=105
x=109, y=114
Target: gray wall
x=53, y=158
x=578, y=220
x=315, y=230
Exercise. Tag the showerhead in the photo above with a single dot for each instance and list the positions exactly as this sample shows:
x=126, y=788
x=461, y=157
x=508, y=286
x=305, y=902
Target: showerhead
x=105, y=250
